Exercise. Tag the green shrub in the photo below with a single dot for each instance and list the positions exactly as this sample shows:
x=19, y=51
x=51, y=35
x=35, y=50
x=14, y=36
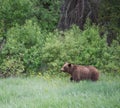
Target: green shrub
x=80, y=47
x=112, y=58
x=25, y=43
x=12, y=67
x=47, y=13
x=47, y=52
x=14, y=11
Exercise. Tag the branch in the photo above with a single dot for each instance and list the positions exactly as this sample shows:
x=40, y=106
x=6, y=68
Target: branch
x=67, y=12
x=90, y=12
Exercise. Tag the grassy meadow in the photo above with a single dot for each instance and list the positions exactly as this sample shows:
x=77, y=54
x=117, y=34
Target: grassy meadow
x=49, y=92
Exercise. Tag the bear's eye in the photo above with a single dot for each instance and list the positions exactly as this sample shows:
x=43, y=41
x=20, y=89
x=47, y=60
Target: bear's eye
x=69, y=65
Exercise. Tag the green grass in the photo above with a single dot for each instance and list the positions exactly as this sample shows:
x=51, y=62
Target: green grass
x=59, y=93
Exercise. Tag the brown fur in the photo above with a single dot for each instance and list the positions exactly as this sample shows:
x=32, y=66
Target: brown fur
x=79, y=72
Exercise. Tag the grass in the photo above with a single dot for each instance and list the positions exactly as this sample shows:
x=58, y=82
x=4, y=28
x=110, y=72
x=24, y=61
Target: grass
x=48, y=92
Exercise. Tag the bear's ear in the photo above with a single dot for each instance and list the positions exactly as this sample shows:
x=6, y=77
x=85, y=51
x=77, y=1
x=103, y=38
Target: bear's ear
x=69, y=65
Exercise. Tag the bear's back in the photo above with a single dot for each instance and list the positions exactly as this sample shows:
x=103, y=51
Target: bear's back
x=82, y=72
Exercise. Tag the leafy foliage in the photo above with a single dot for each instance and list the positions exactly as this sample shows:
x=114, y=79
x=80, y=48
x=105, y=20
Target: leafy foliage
x=81, y=47
x=109, y=18
x=12, y=12
x=24, y=43
x=47, y=52
x=45, y=12
x=12, y=67
x=29, y=44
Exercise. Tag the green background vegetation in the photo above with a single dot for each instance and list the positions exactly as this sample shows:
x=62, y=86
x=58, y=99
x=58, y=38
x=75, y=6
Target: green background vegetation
x=30, y=43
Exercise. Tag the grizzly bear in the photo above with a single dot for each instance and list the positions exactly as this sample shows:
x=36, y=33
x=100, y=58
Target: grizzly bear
x=79, y=72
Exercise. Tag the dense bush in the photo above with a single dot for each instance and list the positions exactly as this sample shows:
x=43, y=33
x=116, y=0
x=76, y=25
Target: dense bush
x=28, y=50
x=24, y=43
x=81, y=47
x=14, y=11
x=109, y=18
x=45, y=12
x=11, y=67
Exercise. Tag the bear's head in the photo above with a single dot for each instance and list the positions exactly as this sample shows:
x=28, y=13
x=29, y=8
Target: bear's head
x=66, y=67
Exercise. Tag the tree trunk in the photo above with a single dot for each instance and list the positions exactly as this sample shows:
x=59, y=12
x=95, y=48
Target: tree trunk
x=77, y=11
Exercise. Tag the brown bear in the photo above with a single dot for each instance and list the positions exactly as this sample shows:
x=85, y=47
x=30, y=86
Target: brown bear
x=79, y=72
